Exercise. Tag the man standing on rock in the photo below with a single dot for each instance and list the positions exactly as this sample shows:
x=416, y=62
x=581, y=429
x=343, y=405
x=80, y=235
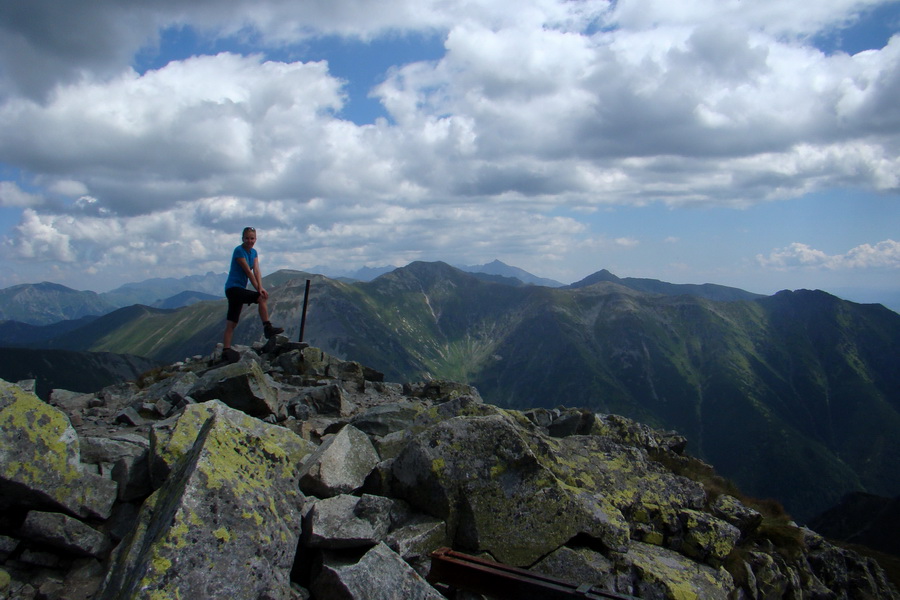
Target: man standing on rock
x=244, y=268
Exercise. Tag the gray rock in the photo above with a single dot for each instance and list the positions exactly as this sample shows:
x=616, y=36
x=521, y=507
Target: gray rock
x=571, y=422
x=242, y=386
x=340, y=465
x=386, y=419
x=96, y=450
x=441, y=390
x=631, y=432
x=83, y=581
x=70, y=402
x=65, y=533
x=380, y=575
x=327, y=400
x=130, y=417
x=348, y=521
x=132, y=474
x=8, y=545
x=416, y=539
x=29, y=385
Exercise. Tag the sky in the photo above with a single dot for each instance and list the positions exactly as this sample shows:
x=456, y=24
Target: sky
x=752, y=143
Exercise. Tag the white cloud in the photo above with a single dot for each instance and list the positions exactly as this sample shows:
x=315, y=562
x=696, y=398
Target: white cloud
x=206, y=125
x=39, y=239
x=11, y=195
x=774, y=16
x=885, y=254
x=555, y=107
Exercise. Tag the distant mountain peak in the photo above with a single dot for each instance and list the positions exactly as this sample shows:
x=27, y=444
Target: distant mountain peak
x=709, y=291
x=498, y=267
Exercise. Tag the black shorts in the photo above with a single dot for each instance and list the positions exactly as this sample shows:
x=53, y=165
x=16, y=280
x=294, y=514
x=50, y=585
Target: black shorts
x=237, y=298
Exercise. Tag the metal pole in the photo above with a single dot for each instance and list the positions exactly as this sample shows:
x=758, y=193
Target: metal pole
x=303, y=316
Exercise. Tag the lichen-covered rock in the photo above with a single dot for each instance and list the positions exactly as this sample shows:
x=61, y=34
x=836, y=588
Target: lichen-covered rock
x=733, y=511
x=380, y=575
x=627, y=431
x=40, y=459
x=707, y=538
x=662, y=574
x=484, y=478
x=173, y=439
x=340, y=464
x=579, y=565
x=647, y=494
x=231, y=501
x=313, y=362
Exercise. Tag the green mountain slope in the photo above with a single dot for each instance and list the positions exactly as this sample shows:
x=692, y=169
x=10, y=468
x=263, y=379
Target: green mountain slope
x=794, y=396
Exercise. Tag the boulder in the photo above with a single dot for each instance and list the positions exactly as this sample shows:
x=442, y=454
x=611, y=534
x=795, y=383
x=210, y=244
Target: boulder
x=348, y=521
x=242, y=386
x=571, y=422
x=381, y=574
x=705, y=537
x=418, y=537
x=340, y=464
x=171, y=440
x=730, y=509
x=489, y=482
x=127, y=457
x=645, y=492
x=660, y=573
x=441, y=389
x=579, y=565
x=65, y=533
x=386, y=419
x=631, y=432
x=231, y=501
x=40, y=459
x=327, y=400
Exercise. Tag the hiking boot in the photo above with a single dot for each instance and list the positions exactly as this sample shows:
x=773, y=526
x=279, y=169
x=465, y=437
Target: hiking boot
x=271, y=331
x=230, y=355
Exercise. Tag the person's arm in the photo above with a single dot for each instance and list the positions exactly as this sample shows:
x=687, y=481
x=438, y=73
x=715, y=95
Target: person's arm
x=253, y=274
x=256, y=278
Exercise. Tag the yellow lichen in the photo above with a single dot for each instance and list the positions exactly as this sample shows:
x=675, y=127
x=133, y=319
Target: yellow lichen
x=222, y=534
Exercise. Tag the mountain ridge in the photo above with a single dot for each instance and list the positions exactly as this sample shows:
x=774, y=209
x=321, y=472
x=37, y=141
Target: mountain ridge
x=800, y=379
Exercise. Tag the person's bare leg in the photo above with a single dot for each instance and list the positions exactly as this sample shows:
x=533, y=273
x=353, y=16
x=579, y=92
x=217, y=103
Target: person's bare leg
x=263, y=310
x=229, y=333
x=268, y=329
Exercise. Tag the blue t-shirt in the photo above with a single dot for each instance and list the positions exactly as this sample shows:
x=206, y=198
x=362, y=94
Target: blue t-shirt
x=236, y=275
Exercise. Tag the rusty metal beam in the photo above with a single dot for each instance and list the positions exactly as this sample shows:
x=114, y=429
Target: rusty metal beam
x=480, y=576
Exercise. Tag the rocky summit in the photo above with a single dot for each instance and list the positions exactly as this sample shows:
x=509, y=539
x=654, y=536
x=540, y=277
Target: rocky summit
x=293, y=475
